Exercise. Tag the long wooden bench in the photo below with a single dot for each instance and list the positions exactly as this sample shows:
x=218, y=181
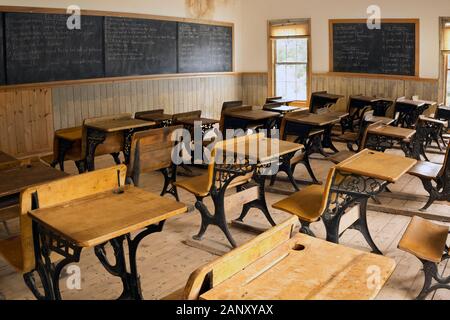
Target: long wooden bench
x=281, y=265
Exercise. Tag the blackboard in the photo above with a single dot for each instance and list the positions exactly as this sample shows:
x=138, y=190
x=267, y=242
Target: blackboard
x=40, y=48
x=140, y=47
x=204, y=48
x=390, y=50
x=2, y=52
x=36, y=46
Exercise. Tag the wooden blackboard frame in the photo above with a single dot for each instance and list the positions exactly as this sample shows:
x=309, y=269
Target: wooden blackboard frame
x=22, y=9
x=331, y=24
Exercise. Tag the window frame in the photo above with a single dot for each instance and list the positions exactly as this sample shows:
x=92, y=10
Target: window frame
x=272, y=61
x=446, y=78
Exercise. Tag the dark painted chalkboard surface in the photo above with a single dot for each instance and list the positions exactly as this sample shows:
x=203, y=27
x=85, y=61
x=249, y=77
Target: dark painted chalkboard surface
x=40, y=47
x=204, y=48
x=140, y=47
x=390, y=50
x=2, y=52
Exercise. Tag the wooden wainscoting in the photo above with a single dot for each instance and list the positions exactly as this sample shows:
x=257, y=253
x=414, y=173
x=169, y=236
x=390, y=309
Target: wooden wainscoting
x=26, y=121
x=72, y=104
x=254, y=88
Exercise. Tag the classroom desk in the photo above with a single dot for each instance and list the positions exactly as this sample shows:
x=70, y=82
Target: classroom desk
x=97, y=133
x=245, y=118
x=357, y=107
x=303, y=125
x=384, y=137
x=262, y=159
x=287, y=109
x=281, y=101
x=357, y=179
x=305, y=268
x=161, y=120
x=320, y=100
x=82, y=225
x=383, y=120
x=407, y=112
x=14, y=180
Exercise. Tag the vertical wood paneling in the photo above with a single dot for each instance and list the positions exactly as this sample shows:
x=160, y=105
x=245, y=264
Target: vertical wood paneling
x=72, y=104
x=26, y=118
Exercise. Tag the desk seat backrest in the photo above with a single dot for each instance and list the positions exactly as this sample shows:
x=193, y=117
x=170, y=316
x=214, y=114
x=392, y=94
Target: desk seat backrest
x=151, y=150
x=186, y=116
x=113, y=143
x=446, y=166
x=59, y=192
x=313, y=100
x=229, y=110
x=139, y=114
x=216, y=272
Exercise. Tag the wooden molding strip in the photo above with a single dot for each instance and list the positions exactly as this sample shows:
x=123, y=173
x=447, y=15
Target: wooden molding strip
x=56, y=84
x=112, y=14
x=372, y=76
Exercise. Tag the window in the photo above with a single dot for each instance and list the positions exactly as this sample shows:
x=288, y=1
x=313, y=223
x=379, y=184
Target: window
x=291, y=69
x=290, y=59
x=445, y=47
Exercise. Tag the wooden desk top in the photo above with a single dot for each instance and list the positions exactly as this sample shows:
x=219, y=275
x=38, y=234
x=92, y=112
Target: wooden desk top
x=204, y=121
x=394, y=132
x=250, y=148
x=365, y=99
x=4, y=157
x=413, y=103
x=91, y=221
x=288, y=109
x=322, y=271
x=283, y=101
x=16, y=179
x=72, y=134
x=328, y=96
x=377, y=165
x=120, y=125
x=253, y=115
x=334, y=114
x=316, y=120
x=383, y=120
x=156, y=117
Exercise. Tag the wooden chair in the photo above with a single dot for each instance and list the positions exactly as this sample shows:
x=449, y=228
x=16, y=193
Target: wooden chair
x=138, y=115
x=19, y=251
x=428, y=173
x=428, y=242
x=308, y=204
x=203, y=186
x=151, y=151
x=301, y=156
x=345, y=154
x=216, y=272
x=186, y=115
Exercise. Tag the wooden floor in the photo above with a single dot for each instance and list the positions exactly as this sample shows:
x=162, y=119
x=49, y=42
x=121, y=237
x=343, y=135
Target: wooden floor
x=165, y=262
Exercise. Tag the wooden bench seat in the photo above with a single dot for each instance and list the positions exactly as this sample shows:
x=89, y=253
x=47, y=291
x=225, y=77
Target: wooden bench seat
x=308, y=204
x=425, y=239
x=11, y=251
x=428, y=242
x=425, y=169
